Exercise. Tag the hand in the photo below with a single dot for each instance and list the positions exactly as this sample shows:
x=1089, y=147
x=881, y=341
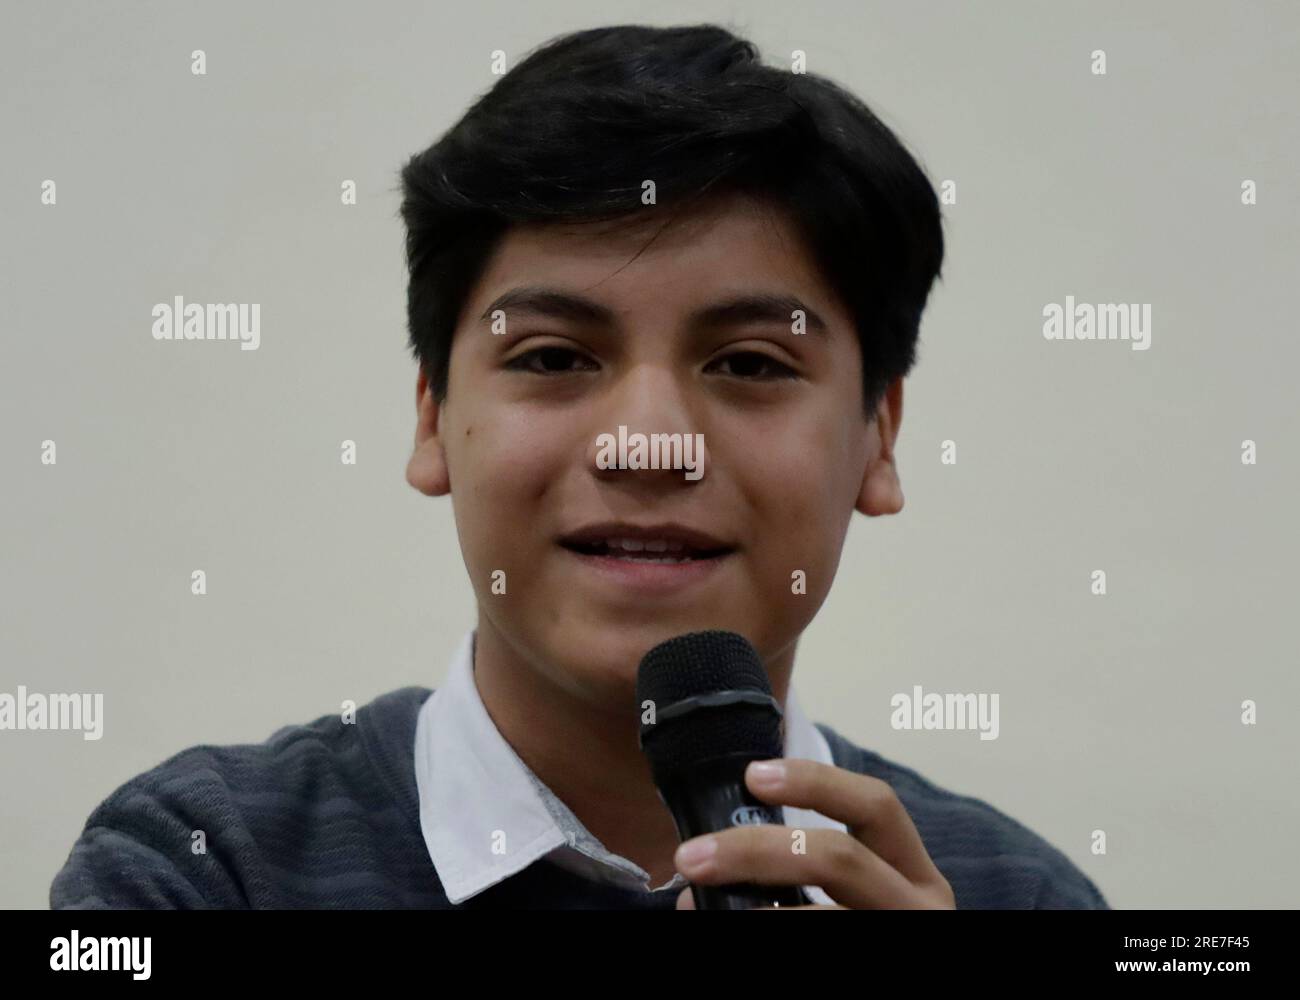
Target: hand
x=880, y=863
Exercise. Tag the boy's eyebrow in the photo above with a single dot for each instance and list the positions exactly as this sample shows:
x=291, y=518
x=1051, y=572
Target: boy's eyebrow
x=542, y=300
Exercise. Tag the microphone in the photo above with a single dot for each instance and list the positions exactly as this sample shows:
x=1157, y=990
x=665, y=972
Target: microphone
x=713, y=713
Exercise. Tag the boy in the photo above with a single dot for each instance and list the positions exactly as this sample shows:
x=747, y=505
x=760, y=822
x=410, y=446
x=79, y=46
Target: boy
x=637, y=231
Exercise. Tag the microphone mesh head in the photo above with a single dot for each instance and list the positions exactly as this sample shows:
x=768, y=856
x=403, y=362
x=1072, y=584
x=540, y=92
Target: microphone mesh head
x=702, y=663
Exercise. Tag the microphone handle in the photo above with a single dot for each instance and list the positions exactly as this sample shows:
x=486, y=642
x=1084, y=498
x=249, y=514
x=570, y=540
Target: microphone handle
x=711, y=796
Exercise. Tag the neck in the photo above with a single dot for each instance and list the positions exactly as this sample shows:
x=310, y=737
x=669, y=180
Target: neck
x=587, y=754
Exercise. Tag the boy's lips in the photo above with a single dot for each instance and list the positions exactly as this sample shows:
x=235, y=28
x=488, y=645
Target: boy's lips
x=667, y=538
x=647, y=558
x=644, y=576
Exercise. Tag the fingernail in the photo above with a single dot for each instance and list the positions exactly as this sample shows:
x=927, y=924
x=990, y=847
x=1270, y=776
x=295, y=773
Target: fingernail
x=768, y=772
x=695, y=854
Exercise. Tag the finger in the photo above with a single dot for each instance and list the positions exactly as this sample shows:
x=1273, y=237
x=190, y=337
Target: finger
x=767, y=854
x=868, y=806
x=686, y=899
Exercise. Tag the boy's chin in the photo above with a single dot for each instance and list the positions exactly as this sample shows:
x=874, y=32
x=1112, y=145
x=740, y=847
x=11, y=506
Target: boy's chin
x=614, y=650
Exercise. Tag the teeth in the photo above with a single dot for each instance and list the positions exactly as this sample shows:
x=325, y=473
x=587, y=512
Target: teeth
x=664, y=550
x=639, y=545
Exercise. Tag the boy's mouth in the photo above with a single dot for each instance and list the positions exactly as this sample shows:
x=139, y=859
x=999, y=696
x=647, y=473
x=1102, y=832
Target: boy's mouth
x=665, y=543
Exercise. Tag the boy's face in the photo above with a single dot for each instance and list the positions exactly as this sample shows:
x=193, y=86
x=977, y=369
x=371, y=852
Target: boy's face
x=785, y=463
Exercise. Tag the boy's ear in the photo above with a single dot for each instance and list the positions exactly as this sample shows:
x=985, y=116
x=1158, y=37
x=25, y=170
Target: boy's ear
x=427, y=469
x=881, y=492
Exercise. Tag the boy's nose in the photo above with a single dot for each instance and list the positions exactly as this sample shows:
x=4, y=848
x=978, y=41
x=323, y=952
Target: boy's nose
x=652, y=412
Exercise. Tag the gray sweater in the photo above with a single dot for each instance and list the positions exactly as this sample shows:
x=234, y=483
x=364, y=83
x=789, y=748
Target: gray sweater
x=325, y=815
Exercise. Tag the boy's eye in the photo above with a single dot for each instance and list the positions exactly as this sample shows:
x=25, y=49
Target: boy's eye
x=558, y=361
x=559, y=357
x=744, y=363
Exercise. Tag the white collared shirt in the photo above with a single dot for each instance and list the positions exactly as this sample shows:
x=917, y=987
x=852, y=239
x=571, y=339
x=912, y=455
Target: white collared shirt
x=473, y=789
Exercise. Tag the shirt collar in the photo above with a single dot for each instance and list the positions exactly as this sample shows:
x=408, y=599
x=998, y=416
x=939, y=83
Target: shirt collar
x=486, y=816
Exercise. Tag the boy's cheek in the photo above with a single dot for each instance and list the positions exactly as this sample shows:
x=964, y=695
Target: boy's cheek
x=494, y=529
x=789, y=576
x=809, y=557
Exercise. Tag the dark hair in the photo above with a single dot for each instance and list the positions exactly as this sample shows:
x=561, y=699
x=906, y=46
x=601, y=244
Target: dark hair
x=571, y=132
